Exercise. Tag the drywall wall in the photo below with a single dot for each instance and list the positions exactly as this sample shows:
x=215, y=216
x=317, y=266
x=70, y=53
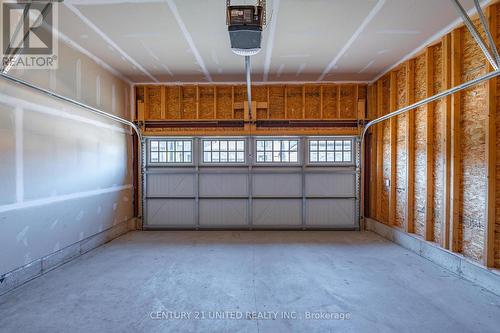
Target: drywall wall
x=450, y=208
x=65, y=173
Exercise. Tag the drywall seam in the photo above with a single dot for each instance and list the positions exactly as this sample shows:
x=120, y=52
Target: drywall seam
x=59, y=198
x=108, y=40
x=19, y=155
x=354, y=36
x=455, y=24
x=189, y=39
x=270, y=40
x=29, y=106
x=100, y=62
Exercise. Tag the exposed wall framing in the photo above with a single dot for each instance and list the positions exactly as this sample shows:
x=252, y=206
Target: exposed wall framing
x=206, y=107
x=441, y=159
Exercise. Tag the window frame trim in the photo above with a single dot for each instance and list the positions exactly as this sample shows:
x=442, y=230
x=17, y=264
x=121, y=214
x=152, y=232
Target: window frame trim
x=326, y=138
x=245, y=140
x=282, y=164
x=167, y=164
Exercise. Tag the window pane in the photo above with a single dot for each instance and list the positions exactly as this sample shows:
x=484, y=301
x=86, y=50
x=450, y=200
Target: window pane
x=240, y=145
x=269, y=156
x=171, y=145
x=154, y=145
x=170, y=157
x=347, y=156
x=207, y=157
x=330, y=157
x=215, y=145
x=260, y=145
x=178, y=157
x=322, y=145
x=313, y=145
x=241, y=156
x=163, y=157
x=232, y=145
x=260, y=157
x=285, y=145
x=338, y=145
x=207, y=145
x=187, y=145
x=313, y=156
x=215, y=157
x=293, y=157
x=294, y=145
x=322, y=156
x=223, y=145
x=276, y=156
x=163, y=146
x=347, y=145
x=269, y=145
x=187, y=157
x=154, y=157
x=232, y=156
x=223, y=156
x=285, y=156
x=330, y=145
x=338, y=156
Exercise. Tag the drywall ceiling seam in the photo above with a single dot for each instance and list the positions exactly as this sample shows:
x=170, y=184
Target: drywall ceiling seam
x=270, y=40
x=97, y=60
x=91, y=25
x=189, y=39
x=270, y=83
x=64, y=197
x=378, y=6
x=455, y=24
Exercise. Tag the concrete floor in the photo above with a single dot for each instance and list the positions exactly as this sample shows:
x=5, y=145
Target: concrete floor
x=377, y=285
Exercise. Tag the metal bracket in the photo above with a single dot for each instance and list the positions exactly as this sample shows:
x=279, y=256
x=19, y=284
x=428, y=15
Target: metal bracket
x=493, y=60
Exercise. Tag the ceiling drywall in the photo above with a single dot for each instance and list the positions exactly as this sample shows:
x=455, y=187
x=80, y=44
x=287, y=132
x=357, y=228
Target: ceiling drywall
x=305, y=40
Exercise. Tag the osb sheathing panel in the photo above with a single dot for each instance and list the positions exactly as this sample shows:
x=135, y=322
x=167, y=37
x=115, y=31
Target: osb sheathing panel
x=420, y=147
x=207, y=104
x=473, y=183
x=173, y=102
x=294, y=102
x=313, y=102
x=330, y=110
x=224, y=102
x=276, y=102
x=188, y=106
x=347, y=105
x=497, y=188
x=386, y=151
x=438, y=145
x=154, y=100
x=401, y=154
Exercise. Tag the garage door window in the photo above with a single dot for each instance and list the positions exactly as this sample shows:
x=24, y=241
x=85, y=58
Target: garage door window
x=223, y=151
x=330, y=151
x=171, y=151
x=277, y=151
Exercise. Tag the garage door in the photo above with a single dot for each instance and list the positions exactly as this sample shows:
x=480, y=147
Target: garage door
x=250, y=183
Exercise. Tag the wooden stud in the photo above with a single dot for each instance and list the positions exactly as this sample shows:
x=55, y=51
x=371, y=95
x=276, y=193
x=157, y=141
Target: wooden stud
x=232, y=101
x=163, y=102
x=286, y=102
x=393, y=146
x=268, y=102
x=429, y=153
x=373, y=167
x=338, y=101
x=215, y=102
x=445, y=234
x=410, y=148
x=321, y=102
x=456, y=59
x=180, y=103
x=489, y=232
x=197, y=102
x=380, y=152
x=303, y=102
x=146, y=102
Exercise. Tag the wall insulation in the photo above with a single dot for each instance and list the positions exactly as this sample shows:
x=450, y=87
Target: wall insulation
x=459, y=228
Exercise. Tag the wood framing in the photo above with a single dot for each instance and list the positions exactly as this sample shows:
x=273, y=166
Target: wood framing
x=456, y=59
x=489, y=232
x=429, y=155
x=410, y=147
x=380, y=152
x=393, y=137
x=446, y=49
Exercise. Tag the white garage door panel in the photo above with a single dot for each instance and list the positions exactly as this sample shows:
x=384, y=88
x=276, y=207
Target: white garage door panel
x=330, y=185
x=331, y=212
x=277, y=212
x=222, y=212
x=269, y=185
x=170, y=185
x=223, y=185
x=161, y=212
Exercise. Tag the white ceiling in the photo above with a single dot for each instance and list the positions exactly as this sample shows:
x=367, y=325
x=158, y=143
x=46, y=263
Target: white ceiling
x=305, y=40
